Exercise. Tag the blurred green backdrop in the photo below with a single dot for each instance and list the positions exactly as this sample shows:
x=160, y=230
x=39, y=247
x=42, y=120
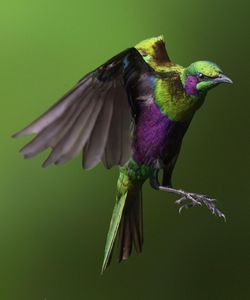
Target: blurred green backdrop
x=53, y=222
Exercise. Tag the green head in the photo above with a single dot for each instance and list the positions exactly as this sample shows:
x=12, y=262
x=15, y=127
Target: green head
x=201, y=76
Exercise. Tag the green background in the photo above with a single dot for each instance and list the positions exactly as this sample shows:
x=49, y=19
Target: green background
x=53, y=222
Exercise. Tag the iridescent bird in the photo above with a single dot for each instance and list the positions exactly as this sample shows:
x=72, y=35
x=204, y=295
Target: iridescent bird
x=132, y=111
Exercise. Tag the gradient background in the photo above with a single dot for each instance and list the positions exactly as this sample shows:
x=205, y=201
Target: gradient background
x=53, y=222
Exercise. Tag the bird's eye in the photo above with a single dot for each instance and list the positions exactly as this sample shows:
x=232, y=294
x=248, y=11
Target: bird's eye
x=201, y=76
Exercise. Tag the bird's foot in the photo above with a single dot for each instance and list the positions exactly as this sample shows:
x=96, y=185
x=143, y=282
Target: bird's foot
x=188, y=200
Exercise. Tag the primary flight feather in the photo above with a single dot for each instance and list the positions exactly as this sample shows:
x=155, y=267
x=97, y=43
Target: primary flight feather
x=132, y=111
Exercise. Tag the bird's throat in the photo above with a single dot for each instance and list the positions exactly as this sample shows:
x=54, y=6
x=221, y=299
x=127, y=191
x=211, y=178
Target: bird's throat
x=190, y=85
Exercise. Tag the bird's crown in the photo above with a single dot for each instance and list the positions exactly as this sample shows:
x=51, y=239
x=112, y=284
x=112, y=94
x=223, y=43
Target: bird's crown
x=206, y=68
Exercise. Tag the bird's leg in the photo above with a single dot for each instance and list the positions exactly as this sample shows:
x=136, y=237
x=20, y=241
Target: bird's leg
x=187, y=199
x=154, y=178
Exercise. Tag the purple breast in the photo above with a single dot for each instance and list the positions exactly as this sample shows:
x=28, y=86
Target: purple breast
x=152, y=132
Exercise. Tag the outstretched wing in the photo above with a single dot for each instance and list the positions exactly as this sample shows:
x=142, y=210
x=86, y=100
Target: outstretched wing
x=94, y=117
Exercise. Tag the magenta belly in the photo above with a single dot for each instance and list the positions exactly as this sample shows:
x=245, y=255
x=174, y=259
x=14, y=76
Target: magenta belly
x=152, y=134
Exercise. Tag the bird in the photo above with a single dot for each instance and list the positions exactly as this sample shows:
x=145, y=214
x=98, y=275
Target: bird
x=132, y=112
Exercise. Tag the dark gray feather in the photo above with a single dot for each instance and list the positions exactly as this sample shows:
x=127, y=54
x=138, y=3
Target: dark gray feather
x=125, y=128
x=87, y=127
x=113, y=147
x=50, y=135
x=94, y=150
x=64, y=147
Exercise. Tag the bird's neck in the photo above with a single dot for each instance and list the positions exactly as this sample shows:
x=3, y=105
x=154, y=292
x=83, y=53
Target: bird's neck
x=177, y=100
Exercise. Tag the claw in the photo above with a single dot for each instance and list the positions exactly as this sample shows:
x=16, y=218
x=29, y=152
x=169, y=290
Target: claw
x=224, y=217
x=180, y=209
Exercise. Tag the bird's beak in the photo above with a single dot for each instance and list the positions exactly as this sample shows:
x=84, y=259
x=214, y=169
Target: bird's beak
x=222, y=79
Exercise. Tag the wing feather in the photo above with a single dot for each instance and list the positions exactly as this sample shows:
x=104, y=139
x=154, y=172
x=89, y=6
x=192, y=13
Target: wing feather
x=50, y=135
x=94, y=150
x=86, y=129
x=78, y=133
x=113, y=147
x=94, y=117
x=56, y=110
x=125, y=130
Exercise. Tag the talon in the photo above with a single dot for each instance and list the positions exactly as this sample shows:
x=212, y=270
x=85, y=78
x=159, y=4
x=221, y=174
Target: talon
x=180, y=209
x=224, y=217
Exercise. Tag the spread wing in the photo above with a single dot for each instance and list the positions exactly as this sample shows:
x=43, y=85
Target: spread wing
x=94, y=117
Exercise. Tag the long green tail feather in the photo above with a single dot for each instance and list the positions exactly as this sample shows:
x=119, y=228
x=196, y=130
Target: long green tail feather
x=113, y=228
x=127, y=213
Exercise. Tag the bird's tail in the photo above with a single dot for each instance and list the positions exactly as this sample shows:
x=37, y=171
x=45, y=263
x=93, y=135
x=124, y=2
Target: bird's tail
x=127, y=219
